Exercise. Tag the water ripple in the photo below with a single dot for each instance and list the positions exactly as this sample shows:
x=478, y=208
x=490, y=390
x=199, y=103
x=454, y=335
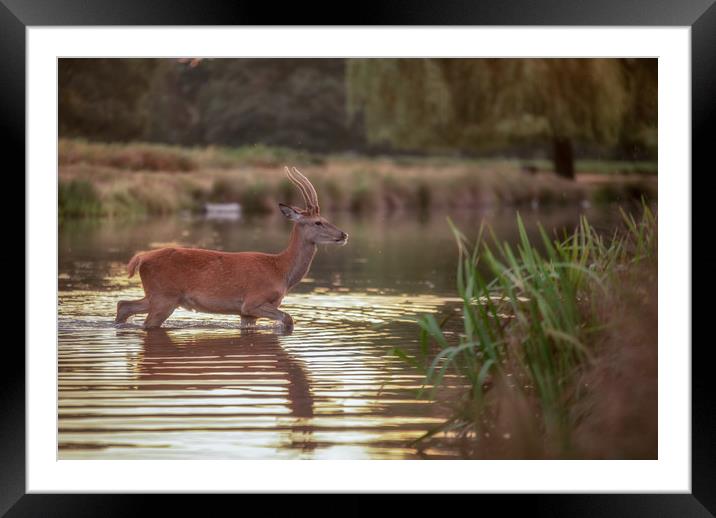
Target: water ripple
x=203, y=387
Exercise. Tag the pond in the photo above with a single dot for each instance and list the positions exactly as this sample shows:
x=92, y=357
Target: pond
x=202, y=388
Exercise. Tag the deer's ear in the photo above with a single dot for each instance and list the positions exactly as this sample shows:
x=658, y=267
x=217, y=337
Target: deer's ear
x=290, y=212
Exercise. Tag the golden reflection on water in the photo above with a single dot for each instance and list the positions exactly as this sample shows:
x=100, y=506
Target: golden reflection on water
x=203, y=388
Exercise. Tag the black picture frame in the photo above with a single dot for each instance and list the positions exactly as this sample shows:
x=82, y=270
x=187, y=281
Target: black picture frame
x=700, y=15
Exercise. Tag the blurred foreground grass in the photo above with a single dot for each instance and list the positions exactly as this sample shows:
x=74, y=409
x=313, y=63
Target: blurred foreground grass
x=557, y=347
x=129, y=179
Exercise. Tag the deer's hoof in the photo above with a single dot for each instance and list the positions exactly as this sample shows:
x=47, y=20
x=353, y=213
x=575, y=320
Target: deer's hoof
x=288, y=324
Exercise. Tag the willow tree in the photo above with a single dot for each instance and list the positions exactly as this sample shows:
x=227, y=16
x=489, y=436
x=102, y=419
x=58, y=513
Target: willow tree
x=470, y=104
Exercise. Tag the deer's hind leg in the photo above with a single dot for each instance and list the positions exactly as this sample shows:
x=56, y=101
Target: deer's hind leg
x=127, y=308
x=159, y=310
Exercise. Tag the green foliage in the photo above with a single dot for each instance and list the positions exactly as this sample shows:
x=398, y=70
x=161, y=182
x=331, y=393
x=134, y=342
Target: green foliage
x=639, y=129
x=295, y=103
x=422, y=105
x=104, y=99
x=529, y=316
x=78, y=198
x=475, y=103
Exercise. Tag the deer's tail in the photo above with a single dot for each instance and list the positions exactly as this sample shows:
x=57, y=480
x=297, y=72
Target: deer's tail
x=134, y=263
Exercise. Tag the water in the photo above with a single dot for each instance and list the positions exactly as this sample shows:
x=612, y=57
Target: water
x=201, y=388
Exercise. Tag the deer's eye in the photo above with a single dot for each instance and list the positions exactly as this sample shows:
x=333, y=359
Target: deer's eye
x=319, y=223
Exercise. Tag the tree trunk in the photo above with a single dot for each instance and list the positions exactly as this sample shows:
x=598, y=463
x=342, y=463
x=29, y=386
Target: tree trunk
x=563, y=157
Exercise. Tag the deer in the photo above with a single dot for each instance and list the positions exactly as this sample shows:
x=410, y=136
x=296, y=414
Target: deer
x=250, y=284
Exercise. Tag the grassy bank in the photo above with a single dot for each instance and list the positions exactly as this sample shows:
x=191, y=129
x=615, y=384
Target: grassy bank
x=558, y=352
x=128, y=179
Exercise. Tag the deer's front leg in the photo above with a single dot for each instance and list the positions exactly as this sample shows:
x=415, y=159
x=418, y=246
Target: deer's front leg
x=268, y=311
x=247, y=321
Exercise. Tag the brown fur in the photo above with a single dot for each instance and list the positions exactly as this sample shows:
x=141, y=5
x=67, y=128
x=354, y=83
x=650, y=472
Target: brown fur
x=134, y=262
x=250, y=284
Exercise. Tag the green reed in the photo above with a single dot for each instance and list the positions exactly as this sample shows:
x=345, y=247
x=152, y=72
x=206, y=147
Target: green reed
x=528, y=315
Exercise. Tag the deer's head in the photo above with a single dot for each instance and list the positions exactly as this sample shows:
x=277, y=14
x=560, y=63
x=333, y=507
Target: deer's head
x=313, y=227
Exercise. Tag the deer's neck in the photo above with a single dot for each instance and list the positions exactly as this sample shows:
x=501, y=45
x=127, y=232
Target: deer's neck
x=297, y=257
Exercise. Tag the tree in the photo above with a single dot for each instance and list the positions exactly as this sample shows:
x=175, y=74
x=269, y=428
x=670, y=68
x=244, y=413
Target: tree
x=102, y=99
x=471, y=104
x=299, y=103
x=639, y=131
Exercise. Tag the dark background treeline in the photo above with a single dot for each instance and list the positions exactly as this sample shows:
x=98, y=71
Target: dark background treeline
x=299, y=103
x=554, y=108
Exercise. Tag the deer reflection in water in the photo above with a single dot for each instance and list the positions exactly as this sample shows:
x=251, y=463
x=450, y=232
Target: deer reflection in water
x=252, y=362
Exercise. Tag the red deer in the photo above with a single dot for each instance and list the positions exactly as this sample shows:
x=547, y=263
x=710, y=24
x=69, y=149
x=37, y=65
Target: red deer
x=250, y=284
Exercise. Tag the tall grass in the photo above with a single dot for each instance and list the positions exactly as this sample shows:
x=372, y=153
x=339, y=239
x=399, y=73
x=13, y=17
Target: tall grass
x=531, y=317
x=143, y=178
x=78, y=198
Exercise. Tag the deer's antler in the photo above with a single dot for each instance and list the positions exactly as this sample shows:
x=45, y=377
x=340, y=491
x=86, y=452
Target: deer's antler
x=309, y=186
x=307, y=190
